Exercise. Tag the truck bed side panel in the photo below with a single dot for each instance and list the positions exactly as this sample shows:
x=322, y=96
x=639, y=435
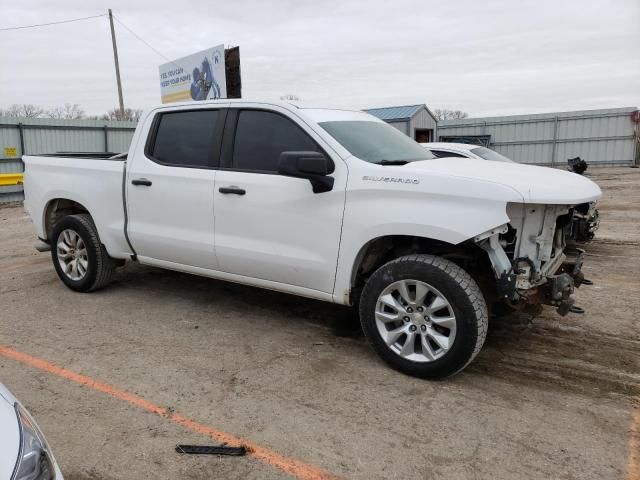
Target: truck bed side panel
x=95, y=184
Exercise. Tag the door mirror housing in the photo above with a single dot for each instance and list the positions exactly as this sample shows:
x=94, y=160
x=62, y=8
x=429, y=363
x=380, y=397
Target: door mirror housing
x=313, y=166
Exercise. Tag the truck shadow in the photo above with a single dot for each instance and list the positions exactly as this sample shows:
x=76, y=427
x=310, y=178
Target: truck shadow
x=342, y=321
x=544, y=351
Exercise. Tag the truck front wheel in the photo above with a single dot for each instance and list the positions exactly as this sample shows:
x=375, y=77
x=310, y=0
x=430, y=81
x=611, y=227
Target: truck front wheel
x=424, y=315
x=79, y=258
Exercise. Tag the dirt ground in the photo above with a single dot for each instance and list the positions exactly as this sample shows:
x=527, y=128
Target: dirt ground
x=549, y=398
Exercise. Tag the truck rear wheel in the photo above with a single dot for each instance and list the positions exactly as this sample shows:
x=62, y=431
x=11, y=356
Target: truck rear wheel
x=424, y=315
x=79, y=258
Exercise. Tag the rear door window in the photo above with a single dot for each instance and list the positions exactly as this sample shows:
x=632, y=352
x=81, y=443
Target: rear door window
x=185, y=139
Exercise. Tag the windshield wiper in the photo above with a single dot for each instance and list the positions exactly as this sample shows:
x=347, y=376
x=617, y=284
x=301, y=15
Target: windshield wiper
x=393, y=162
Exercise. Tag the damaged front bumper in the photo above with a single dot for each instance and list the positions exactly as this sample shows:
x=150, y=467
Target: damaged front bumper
x=585, y=222
x=557, y=289
x=531, y=261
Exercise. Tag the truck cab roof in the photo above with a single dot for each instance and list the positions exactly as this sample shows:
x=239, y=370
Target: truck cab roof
x=316, y=114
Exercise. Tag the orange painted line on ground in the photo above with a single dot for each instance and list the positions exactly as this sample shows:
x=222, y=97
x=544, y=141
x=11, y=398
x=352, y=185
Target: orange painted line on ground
x=293, y=467
x=633, y=462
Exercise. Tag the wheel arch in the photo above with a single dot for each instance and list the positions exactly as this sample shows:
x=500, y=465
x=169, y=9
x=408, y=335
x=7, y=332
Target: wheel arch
x=385, y=248
x=57, y=208
x=84, y=267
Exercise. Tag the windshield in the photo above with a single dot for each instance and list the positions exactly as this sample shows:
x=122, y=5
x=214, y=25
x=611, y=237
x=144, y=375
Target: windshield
x=376, y=142
x=489, y=154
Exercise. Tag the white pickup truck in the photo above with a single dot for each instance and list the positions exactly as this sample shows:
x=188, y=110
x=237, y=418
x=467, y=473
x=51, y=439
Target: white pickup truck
x=329, y=204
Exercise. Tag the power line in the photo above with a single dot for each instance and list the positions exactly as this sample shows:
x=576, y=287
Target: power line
x=141, y=39
x=51, y=23
x=4, y=29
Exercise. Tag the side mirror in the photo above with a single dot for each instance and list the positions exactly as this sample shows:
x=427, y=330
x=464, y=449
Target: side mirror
x=313, y=166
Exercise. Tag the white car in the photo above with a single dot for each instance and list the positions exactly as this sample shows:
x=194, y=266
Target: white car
x=24, y=452
x=330, y=204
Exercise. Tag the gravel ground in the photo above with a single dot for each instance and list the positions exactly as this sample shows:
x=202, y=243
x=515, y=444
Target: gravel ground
x=549, y=398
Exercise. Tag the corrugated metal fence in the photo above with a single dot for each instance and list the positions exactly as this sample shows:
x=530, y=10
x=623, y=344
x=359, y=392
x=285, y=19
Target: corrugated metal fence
x=601, y=137
x=25, y=136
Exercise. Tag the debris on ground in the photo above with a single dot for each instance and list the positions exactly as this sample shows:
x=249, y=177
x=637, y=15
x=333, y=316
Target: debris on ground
x=211, y=450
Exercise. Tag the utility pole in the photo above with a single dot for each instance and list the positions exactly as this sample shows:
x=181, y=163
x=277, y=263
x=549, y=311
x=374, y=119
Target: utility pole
x=115, y=59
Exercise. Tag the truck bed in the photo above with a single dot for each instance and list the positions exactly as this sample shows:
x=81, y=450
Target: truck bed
x=93, y=182
x=86, y=155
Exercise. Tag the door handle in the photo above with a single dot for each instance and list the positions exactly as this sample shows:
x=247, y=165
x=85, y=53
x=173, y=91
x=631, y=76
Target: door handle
x=233, y=190
x=141, y=181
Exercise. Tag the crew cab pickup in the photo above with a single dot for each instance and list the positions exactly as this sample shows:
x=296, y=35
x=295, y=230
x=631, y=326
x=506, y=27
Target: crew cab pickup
x=329, y=204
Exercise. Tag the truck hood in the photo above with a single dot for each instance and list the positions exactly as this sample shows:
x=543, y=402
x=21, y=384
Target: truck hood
x=543, y=185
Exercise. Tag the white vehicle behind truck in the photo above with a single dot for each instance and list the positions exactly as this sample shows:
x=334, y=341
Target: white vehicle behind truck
x=329, y=204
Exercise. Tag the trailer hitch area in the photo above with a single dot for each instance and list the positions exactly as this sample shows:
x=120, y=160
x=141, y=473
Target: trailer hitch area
x=573, y=267
x=560, y=288
x=576, y=269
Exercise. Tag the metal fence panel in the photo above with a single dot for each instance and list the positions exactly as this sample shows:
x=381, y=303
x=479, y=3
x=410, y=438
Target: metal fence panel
x=9, y=138
x=119, y=140
x=601, y=137
x=38, y=141
x=24, y=136
x=11, y=165
x=45, y=135
x=9, y=195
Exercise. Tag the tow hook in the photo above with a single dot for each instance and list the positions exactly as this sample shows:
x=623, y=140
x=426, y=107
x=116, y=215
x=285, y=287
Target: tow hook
x=576, y=271
x=560, y=290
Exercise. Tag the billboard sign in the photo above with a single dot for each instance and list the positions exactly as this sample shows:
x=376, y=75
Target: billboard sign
x=200, y=76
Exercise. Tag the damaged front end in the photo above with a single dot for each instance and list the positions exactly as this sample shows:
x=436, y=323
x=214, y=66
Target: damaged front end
x=530, y=258
x=584, y=223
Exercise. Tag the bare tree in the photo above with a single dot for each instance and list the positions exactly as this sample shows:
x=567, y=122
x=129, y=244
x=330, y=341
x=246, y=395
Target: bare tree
x=24, y=110
x=446, y=114
x=130, y=114
x=69, y=110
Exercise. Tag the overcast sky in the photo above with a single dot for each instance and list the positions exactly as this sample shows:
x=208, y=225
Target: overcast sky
x=484, y=57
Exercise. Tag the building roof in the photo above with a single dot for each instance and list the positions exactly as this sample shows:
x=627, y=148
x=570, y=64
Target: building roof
x=404, y=112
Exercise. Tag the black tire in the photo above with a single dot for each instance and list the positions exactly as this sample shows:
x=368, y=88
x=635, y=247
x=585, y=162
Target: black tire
x=100, y=265
x=459, y=289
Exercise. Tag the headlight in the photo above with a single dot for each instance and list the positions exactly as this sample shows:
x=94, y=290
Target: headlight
x=34, y=460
